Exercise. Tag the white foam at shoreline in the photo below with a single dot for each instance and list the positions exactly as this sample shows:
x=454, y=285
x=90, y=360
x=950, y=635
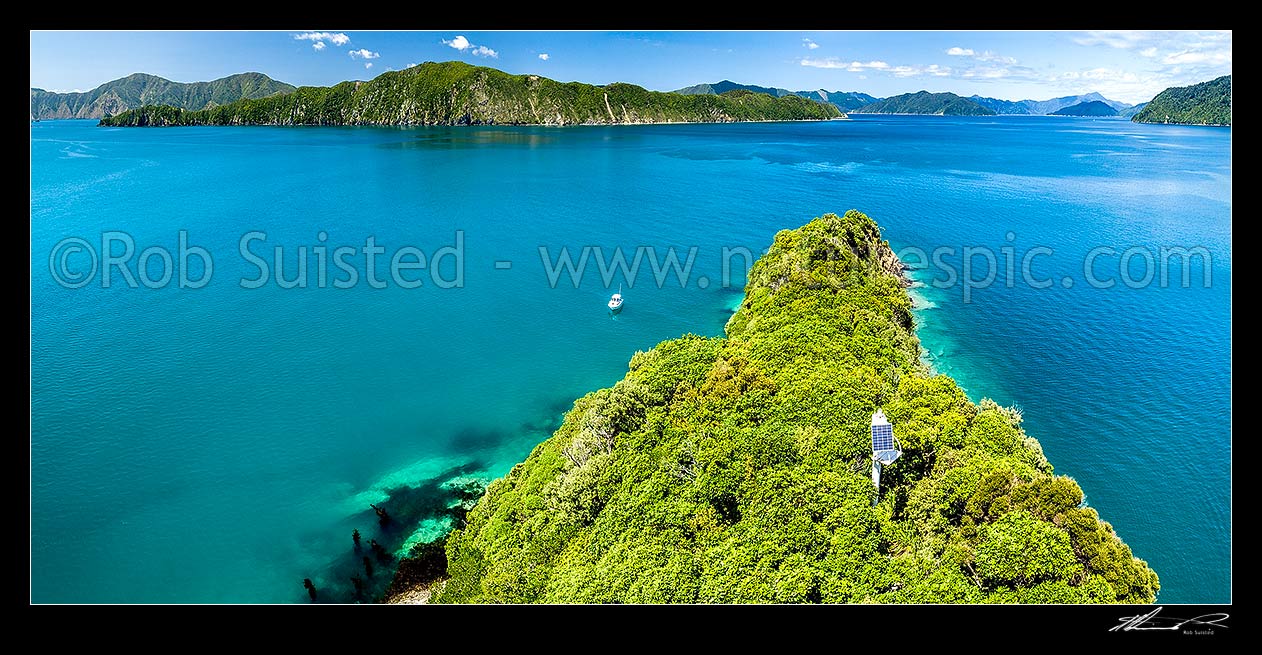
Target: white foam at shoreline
x=427, y=531
x=408, y=476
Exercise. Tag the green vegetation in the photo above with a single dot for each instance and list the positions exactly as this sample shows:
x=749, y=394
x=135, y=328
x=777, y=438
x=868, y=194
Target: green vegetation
x=1092, y=108
x=923, y=102
x=152, y=116
x=455, y=93
x=736, y=469
x=1207, y=103
x=138, y=90
x=843, y=100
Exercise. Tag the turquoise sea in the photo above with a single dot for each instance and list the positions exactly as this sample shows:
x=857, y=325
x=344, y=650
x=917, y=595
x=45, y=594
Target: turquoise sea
x=219, y=444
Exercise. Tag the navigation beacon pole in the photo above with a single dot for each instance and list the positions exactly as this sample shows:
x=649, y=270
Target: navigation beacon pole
x=885, y=449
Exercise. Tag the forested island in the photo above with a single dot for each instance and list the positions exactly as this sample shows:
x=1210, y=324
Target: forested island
x=456, y=93
x=736, y=469
x=1207, y=103
x=1092, y=108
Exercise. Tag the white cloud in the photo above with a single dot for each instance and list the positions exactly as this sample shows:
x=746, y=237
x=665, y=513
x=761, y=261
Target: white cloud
x=879, y=66
x=1140, y=65
x=317, y=46
x=412, y=64
x=992, y=57
x=544, y=56
x=1122, y=39
x=1165, y=58
x=1149, y=42
x=363, y=53
x=809, y=44
x=852, y=66
x=916, y=71
x=986, y=55
x=460, y=43
x=1195, y=57
x=1207, y=52
x=974, y=73
x=993, y=66
x=1114, y=83
x=336, y=38
x=998, y=73
x=368, y=65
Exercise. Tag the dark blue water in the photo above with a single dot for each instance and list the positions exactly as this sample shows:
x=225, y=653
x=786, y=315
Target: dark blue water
x=220, y=443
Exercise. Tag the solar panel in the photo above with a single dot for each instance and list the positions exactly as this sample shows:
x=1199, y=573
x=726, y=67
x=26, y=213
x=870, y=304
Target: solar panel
x=882, y=437
x=884, y=450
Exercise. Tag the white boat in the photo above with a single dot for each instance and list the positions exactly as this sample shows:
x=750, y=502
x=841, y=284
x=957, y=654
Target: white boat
x=615, y=301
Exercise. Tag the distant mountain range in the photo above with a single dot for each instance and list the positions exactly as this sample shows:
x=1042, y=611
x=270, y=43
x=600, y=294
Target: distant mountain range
x=1003, y=106
x=139, y=89
x=457, y=93
x=1090, y=108
x=1044, y=107
x=168, y=102
x=1207, y=103
x=923, y=102
x=843, y=100
x=854, y=101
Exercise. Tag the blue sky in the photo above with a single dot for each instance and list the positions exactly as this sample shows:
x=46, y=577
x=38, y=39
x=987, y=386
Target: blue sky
x=1124, y=65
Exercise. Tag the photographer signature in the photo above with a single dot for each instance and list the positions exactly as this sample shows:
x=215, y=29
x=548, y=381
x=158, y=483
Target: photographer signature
x=1151, y=621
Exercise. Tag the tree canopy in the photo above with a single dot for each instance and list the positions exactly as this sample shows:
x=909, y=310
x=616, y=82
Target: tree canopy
x=1207, y=103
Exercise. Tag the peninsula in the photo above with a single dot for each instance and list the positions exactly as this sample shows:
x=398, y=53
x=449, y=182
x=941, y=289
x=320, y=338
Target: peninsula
x=1207, y=103
x=736, y=469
